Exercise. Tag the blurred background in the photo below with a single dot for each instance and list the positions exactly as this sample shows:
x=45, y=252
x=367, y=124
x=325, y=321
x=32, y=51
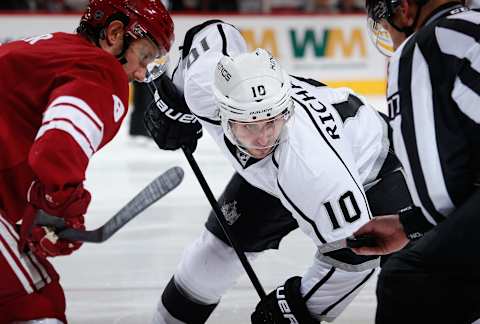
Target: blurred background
x=242, y=6
x=251, y=6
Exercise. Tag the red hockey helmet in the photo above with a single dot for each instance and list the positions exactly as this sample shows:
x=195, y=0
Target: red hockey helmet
x=146, y=18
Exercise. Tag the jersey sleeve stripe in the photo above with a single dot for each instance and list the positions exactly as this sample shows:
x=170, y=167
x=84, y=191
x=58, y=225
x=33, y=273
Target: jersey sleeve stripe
x=466, y=88
x=33, y=272
x=409, y=138
x=94, y=122
x=208, y=120
x=27, y=285
x=467, y=100
x=79, y=119
x=462, y=44
x=69, y=128
x=41, y=270
x=469, y=77
x=9, y=228
x=468, y=21
x=465, y=47
x=422, y=94
x=37, y=276
x=224, y=39
x=319, y=284
x=461, y=27
x=80, y=104
x=329, y=308
x=9, y=250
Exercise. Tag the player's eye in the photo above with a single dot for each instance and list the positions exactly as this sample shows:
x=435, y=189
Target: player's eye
x=251, y=127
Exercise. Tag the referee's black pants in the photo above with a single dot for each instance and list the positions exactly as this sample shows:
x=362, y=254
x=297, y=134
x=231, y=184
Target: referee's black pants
x=438, y=279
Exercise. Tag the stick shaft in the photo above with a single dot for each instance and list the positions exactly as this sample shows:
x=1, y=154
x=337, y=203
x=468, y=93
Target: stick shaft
x=223, y=223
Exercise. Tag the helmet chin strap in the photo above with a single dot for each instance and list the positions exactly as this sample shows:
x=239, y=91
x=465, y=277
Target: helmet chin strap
x=409, y=30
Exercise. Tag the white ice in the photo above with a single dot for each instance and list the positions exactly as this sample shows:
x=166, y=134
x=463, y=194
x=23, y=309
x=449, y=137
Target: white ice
x=121, y=280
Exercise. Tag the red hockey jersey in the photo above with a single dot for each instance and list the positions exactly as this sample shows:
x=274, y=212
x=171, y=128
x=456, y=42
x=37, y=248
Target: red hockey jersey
x=61, y=100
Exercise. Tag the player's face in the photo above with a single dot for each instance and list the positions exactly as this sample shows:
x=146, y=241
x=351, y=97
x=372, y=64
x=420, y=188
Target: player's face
x=384, y=26
x=139, y=55
x=397, y=37
x=259, y=138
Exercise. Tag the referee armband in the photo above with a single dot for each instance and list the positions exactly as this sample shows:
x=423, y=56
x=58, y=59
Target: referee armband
x=414, y=223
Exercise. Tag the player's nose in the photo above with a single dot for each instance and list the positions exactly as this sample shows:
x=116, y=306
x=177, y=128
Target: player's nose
x=140, y=73
x=265, y=137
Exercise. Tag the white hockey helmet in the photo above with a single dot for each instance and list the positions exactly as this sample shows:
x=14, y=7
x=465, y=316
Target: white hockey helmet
x=253, y=89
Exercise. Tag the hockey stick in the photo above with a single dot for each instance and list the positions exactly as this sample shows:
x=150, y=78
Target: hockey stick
x=223, y=223
x=217, y=210
x=158, y=188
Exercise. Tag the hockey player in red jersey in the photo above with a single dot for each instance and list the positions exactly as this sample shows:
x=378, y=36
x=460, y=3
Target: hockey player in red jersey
x=62, y=98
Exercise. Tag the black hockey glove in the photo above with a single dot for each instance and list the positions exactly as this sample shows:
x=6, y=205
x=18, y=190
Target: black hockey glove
x=414, y=222
x=284, y=305
x=169, y=120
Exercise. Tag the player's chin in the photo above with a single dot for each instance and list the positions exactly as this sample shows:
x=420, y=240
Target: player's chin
x=260, y=153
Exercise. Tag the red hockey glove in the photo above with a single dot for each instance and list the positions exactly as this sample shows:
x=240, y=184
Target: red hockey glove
x=70, y=203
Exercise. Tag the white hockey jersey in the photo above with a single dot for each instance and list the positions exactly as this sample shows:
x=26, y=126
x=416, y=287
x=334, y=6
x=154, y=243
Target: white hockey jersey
x=319, y=174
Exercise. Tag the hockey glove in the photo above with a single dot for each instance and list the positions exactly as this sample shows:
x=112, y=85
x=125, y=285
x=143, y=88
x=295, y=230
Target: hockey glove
x=284, y=305
x=70, y=203
x=169, y=120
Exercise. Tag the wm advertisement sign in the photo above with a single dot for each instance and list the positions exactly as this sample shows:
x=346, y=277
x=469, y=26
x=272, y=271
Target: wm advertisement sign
x=333, y=49
x=328, y=43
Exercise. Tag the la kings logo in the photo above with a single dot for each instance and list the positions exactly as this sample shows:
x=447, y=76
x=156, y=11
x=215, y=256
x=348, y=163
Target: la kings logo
x=242, y=158
x=230, y=212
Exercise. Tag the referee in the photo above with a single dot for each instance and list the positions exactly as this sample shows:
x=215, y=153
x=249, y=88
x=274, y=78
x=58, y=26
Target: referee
x=434, y=110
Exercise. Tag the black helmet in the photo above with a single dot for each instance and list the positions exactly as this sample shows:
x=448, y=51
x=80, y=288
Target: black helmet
x=381, y=9
x=384, y=9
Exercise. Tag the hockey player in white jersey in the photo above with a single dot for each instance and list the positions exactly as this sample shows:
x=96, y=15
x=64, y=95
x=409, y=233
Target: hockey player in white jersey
x=303, y=151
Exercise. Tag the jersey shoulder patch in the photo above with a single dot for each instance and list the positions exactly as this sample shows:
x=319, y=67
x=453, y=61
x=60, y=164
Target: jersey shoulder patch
x=348, y=108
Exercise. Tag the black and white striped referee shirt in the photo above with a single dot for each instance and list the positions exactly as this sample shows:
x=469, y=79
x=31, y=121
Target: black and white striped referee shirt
x=434, y=108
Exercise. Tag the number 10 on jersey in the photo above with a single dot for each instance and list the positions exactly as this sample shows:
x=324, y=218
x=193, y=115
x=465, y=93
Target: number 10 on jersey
x=349, y=214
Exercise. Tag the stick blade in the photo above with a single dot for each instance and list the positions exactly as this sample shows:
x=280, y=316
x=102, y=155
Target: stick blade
x=158, y=188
